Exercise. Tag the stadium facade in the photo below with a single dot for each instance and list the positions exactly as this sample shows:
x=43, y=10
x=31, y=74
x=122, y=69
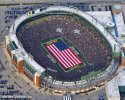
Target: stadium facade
x=25, y=64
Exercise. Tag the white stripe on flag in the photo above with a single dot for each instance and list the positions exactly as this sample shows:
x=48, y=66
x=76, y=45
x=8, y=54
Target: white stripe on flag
x=67, y=60
x=57, y=57
x=68, y=57
x=74, y=56
x=65, y=57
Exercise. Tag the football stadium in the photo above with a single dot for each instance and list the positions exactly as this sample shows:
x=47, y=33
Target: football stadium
x=63, y=49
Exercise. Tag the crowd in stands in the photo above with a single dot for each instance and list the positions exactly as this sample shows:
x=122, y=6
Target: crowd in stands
x=89, y=42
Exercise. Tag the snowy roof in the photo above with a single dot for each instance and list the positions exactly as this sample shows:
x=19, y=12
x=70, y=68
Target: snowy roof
x=116, y=7
x=120, y=24
x=103, y=17
x=112, y=89
x=121, y=78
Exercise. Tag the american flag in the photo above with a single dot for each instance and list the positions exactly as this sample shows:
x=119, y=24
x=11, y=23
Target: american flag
x=63, y=54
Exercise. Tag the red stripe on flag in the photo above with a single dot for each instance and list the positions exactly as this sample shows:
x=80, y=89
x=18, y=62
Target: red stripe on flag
x=74, y=55
x=68, y=57
x=57, y=57
x=72, y=58
x=60, y=53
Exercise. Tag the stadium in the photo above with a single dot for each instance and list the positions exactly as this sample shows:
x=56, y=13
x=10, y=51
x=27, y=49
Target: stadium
x=63, y=49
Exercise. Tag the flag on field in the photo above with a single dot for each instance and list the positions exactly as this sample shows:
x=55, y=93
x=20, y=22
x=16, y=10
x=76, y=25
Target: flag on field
x=63, y=54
